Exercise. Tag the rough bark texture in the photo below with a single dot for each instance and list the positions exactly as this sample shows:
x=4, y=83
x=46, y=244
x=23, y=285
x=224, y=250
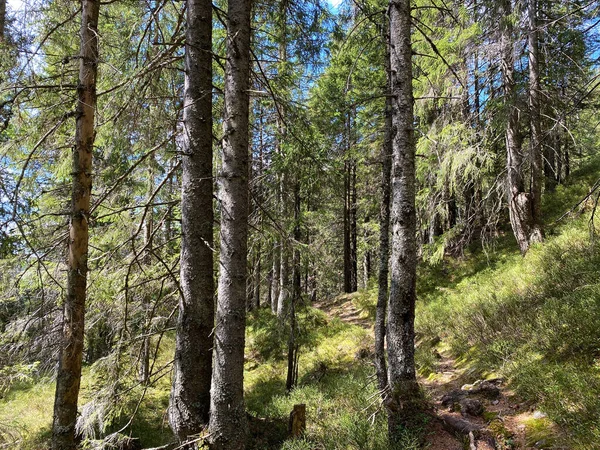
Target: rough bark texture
x=283, y=292
x=228, y=425
x=536, y=234
x=404, y=390
x=2, y=19
x=71, y=346
x=519, y=201
x=144, y=364
x=292, y=369
x=350, y=227
x=384, y=240
x=190, y=394
x=284, y=276
x=257, y=270
x=275, y=276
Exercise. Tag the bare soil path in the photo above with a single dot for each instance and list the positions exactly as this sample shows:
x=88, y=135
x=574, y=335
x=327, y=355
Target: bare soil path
x=504, y=422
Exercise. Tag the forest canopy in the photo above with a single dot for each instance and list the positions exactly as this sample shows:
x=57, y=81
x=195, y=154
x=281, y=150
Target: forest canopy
x=196, y=196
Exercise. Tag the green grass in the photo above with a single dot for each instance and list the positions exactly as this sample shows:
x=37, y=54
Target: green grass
x=535, y=320
x=336, y=385
x=26, y=415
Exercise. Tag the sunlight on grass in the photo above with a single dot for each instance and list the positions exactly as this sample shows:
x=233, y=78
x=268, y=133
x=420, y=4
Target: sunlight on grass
x=26, y=415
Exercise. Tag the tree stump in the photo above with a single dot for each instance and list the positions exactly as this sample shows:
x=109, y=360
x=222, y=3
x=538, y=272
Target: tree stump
x=298, y=420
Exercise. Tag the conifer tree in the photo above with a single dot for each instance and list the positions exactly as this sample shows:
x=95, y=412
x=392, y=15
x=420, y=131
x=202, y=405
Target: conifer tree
x=71, y=345
x=403, y=388
x=190, y=393
x=228, y=427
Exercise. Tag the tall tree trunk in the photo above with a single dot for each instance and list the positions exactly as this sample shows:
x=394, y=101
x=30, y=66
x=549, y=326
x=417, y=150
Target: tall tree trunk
x=284, y=273
x=2, y=20
x=292, y=369
x=284, y=252
x=347, y=244
x=536, y=233
x=404, y=390
x=257, y=277
x=550, y=164
x=68, y=377
x=384, y=237
x=519, y=201
x=350, y=213
x=144, y=367
x=353, y=227
x=190, y=393
x=275, y=276
x=228, y=425
x=285, y=209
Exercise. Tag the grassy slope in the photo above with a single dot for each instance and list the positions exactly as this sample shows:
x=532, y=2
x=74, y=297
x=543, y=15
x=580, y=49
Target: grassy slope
x=535, y=320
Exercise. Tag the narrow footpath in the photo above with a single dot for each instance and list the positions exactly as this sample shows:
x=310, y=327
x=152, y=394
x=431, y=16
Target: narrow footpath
x=469, y=413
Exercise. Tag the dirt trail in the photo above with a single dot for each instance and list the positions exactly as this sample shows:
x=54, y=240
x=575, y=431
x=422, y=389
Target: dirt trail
x=506, y=422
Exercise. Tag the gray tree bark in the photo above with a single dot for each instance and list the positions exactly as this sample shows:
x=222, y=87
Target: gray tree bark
x=283, y=292
x=68, y=377
x=2, y=19
x=144, y=365
x=535, y=151
x=292, y=369
x=384, y=236
x=404, y=391
x=284, y=276
x=519, y=201
x=189, y=402
x=275, y=276
x=228, y=425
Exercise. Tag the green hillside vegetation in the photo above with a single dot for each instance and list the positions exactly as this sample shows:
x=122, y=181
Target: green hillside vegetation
x=532, y=321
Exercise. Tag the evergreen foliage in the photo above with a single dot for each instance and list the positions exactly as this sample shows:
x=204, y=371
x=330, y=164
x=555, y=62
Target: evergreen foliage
x=317, y=126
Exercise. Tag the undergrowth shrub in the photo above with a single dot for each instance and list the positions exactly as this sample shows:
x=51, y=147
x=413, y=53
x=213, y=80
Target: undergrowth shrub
x=536, y=320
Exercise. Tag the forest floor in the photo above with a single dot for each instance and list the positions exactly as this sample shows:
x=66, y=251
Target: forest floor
x=505, y=422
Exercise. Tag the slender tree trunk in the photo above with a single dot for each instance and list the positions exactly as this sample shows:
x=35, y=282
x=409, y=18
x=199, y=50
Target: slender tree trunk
x=2, y=20
x=275, y=276
x=519, y=201
x=228, y=425
x=558, y=157
x=284, y=274
x=563, y=142
x=284, y=185
x=350, y=229
x=567, y=160
x=536, y=233
x=404, y=390
x=550, y=164
x=347, y=237
x=284, y=264
x=169, y=215
x=68, y=377
x=384, y=238
x=292, y=370
x=190, y=393
x=350, y=213
x=270, y=285
x=257, y=277
x=144, y=367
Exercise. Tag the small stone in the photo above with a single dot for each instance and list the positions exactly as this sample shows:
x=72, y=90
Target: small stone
x=452, y=397
x=471, y=407
x=495, y=402
x=539, y=415
x=488, y=390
